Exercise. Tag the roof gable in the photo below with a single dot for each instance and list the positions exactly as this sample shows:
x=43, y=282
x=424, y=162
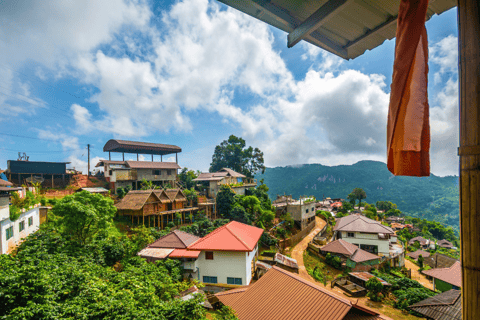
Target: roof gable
x=136, y=199
x=340, y=246
x=359, y=223
x=234, y=236
x=362, y=255
x=176, y=239
x=162, y=195
x=452, y=275
x=232, y=173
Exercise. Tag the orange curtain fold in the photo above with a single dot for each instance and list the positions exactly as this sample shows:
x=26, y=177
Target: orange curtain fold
x=408, y=129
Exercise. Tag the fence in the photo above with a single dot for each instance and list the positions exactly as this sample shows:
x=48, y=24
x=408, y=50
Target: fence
x=297, y=237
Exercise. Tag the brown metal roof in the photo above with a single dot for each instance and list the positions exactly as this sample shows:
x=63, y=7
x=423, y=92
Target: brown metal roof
x=101, y=163
x=365, y=276
x=444, y=243
x=115, y=145
x=444, y=306
x=452, y=275
x=152, y=165
x=359, y=223
x=346, y=28
x=230, y=296
x=340, y=246
x=289, y=262
x=156, y=253
x=135, y=200
x=439, y=260
x=362, y=255
x=176, y=239
x=282, y=295
x=416, y=254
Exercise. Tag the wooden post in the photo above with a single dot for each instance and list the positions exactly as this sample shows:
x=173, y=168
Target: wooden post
x=469, y=151
x=176, y=157
x=19, y=180
x=109, y=156
x=161, y=157
x=52, y=181
x=123, y=156
x=152, y=157
x=143, y=219
x=161, y=221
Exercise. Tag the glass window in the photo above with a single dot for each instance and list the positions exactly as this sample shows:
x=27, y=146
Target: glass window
x=234, y=280
x=307, y=210
x=9, y=232
x=350, y=235
x=21, y=226
x=208, y=255
x=207, y=279
x=30, y=221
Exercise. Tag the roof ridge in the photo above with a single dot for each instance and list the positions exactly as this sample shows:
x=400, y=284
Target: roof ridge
x=312, y=285
x=211, y=233
x=236, y=236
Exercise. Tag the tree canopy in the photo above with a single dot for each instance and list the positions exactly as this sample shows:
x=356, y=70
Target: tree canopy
x=234, y=154
x=186, y=176
x=83, y=214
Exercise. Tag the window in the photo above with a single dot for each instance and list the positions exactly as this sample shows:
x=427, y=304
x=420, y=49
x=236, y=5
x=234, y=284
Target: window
x=351, y=235
x=9, y=232
x=208, y=255
x=169, y=172
x=307, y=211
x=313, y=209
x=109, y=172
x=234, y=280
x=207, y=279
x=21, y=226
x=156, y=172
x=30, y=221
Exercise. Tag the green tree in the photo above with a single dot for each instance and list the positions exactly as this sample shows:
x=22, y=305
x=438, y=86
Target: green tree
x=234, y=154
x=186, y=178
x=374, y=287
x=225, y=200
x=84, y=213
x=147, y=185
x=358, y=194
x=420, y=261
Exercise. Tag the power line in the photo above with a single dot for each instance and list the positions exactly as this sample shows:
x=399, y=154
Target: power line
x=25, y=137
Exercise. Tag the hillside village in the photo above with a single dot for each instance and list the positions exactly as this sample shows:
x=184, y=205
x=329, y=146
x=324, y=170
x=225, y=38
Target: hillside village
x=229, y=242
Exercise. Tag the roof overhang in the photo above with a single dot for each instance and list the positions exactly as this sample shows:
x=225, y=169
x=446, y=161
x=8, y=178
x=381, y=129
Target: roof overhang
x=346, y=28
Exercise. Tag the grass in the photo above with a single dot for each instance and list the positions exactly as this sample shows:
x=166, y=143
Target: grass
x=311, y=261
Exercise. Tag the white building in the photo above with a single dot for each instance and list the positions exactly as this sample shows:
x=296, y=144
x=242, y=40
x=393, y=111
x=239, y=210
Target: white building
x=12, y=232
x=371, y=236
x=227, y=254
x=237, y=181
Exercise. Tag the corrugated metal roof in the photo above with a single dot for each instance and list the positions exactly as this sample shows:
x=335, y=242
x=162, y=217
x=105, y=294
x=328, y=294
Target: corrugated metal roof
x=346, y=28
x=359, y=223
x=416, y=254
x=101, y=163
x=157, y=253
x=282, y=295
x=365, y=276
x=289, y=262
x=115, y=145
x=444, y=306
x=4, y=183
x=439, y=260
x=362, y=255
x=184, y=253
x=452, y=275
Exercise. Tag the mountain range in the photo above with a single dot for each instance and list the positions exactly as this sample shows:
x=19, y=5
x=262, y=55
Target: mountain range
x=433, y=198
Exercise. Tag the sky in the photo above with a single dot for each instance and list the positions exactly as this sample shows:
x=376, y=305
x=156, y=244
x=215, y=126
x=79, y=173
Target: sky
x=191, y=73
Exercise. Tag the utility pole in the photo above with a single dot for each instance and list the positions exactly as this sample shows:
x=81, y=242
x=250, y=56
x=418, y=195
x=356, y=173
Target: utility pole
x=88, y=172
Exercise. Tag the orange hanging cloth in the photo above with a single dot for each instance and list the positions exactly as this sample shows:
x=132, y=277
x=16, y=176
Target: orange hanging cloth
x=408, y=129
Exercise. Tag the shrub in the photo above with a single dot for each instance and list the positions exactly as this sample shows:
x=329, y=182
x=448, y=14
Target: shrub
x=374, y=287
x=334, y=261
x=407, y=297
x=14, y=213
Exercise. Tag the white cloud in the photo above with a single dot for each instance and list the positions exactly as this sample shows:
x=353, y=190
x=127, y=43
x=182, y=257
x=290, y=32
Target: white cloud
x=444, y=53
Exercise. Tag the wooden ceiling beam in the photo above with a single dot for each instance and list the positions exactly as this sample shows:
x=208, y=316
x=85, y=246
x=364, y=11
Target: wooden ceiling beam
x=317, y=19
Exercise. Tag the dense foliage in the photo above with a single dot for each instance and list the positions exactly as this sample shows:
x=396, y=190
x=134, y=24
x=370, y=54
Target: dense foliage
x=374, y=287
x=203, y=226
x=432, y=198
x=333, y=260
x=234, y=154
x=186, y=178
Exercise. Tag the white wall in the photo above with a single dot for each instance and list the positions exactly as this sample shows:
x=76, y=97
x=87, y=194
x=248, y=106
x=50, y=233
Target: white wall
x=7, y=246
x=249, y=258
x=361, y=238
x=225, y=264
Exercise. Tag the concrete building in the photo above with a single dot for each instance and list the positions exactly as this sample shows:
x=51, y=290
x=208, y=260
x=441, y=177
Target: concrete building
x=12, y=232
x=214, y=180
x=302, y=210
x=49, y=174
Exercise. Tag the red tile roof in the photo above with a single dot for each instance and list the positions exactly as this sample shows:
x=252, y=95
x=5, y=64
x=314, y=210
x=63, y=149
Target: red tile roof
x=452, y=275
x=184, y=253
x=234, y=236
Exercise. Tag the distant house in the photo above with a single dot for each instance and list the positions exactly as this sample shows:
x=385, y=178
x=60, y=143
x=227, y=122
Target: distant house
x=227, y=254
x=445, y=244
x=443, y=306
x=49, y=174
x=302, y=210
x=282, y=295
x=424, y=243
x=445, y=279
x=350, y=254
x=395, y=219
x=361, y=278
x=237, y=181
x=94, y=190
x=418, y=253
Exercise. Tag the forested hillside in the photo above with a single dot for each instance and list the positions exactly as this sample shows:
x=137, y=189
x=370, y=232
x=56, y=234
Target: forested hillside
x=433, y=198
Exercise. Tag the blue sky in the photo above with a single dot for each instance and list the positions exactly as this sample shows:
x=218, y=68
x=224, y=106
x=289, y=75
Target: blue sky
x=191, y=73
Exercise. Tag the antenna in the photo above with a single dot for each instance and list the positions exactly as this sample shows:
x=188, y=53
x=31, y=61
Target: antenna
x=22, y=156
